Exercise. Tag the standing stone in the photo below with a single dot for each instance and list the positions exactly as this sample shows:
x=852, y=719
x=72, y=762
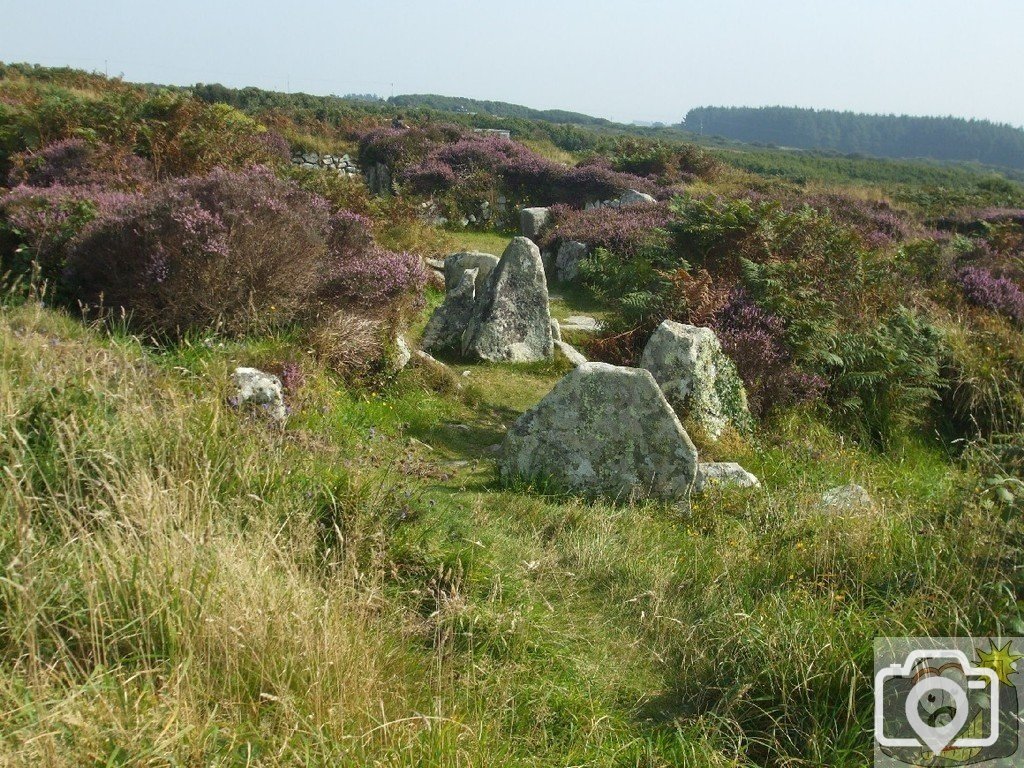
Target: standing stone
x=512, y=321
x=458, y=263
x=567, y=263
x=603, y=430
x=533, y=220
x=445, y=328
x=263, y=390
x=697, y=377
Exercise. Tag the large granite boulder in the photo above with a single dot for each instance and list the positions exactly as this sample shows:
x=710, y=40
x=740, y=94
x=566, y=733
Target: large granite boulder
x=458, y=263
x=567, y=262
x=606, y=431
x=511, y=320
x=255, y=388
x=533, y=220
x=697, y=377
x=448, y=323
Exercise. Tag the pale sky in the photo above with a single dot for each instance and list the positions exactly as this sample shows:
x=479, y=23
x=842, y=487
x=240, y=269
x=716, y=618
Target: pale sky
x=623, y=59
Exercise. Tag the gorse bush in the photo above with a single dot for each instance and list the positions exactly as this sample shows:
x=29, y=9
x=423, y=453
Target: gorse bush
x=235, y=251
x=177, y=134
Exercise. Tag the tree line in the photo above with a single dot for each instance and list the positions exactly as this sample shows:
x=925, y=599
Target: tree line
x=942, y=138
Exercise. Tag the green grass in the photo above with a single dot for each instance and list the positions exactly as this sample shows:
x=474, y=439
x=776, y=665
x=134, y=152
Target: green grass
x=487, y=242
x=185, y=584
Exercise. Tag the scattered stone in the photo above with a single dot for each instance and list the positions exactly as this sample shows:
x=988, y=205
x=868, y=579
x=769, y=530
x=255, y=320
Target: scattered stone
x=511, y=320
x=556, y=330
x=572, y=354
x=435, y=264
x=847, y=498
x=567, y=262
x=264, y=390
x=458, y=263
x=723, y=474
x=448, y=323
x=581, y=323
x=402, y=353
x=465, y=374
x=632, y=197
x=697, y=377
x=603, y=430
x=533, y=220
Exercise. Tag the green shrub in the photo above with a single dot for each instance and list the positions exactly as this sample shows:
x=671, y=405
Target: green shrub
x=884, y=380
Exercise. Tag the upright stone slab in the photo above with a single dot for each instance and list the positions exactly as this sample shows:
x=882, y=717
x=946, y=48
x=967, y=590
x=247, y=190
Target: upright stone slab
x=511, y=320
x=567, y=262
x=697, y=377
x=532, y=221
x=458, y=263
x=603, y=430
x=448, y=323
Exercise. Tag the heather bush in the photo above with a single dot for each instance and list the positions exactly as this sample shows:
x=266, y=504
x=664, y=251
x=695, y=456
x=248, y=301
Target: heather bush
x=876, y=222
x=755, y=340
x=76, y=162
x=38, y=223
x=466, y=168
x=623, y=231
x=235, y=251
x=998, y=294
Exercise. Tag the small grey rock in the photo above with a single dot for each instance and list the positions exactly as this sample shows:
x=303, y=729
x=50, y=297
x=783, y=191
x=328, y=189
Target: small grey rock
x=847, y=498
x=264, y=390
x=723, y=474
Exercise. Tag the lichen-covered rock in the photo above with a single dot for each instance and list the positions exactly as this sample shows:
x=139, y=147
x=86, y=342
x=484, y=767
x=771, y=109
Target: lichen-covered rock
x=723, y=474
x=263, y=390
x=697, y=377
x=402, y=354
x=533, y=220
x=606, y=431
x=449, y=322
x=850, y=498
x=511, y=320
x=458, y=263
x=581, y=323
x=632, y=197
x=556, y=330
x=567, y=262
x=570, y=352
